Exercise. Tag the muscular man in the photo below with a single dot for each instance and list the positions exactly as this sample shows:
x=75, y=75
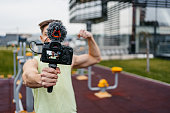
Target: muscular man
x=39, y=76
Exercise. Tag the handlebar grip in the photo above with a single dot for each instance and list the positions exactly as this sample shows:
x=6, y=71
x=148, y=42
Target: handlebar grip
x=54, y=66
x=50, y=89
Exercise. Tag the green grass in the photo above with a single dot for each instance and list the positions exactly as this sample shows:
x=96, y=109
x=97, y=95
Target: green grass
x=6, y=62
x=159, y=68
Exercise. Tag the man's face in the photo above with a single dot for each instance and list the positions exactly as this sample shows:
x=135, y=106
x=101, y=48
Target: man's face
x=44, y=37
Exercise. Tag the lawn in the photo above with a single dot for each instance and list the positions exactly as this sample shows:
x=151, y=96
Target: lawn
x=6, y=62
x=159, y=68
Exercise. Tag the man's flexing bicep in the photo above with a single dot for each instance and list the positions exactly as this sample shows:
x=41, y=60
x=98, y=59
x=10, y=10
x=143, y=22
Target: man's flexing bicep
x=84, y=60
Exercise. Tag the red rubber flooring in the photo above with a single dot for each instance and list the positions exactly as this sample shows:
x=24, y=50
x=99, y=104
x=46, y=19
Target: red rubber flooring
x=6, y=96
x=133, y=95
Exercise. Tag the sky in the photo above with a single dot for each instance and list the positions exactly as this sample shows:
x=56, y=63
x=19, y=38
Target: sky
x=23, y=16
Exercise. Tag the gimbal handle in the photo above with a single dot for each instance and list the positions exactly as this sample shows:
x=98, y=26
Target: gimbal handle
x=54, y=66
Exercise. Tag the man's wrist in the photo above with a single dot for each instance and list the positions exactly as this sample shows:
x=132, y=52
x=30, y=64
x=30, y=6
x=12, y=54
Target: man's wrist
x=38, y=80
x=90, y=39
x=34, y=81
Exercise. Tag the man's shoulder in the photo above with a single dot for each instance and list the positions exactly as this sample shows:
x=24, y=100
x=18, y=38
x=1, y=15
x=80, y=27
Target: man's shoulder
x=37, y=57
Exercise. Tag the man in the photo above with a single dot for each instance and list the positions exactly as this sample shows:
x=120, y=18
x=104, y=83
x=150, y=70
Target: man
x=39, y=76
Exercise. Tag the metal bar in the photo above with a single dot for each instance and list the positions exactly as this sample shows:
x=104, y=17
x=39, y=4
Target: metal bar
x=24, y=50
x=116, y=82
x=18, y=105
x=29, y=100
x=14, y=58
x=15, y=82
x=90, y=80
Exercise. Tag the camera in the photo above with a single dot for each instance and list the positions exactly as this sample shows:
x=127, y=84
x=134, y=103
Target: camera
x=53, y=52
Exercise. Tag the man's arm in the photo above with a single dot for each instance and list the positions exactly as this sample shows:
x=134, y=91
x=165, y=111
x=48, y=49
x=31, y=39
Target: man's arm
x=48, y=77
x=30, y=75
x=92, y=57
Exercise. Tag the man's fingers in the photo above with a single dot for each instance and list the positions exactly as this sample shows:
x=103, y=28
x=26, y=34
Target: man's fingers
x=51, y=70
x=78, y=36
x=48, y=80
x=49, y=75
x=58, y=70
x=46, y=85
x=81, y=33
x=84, y=34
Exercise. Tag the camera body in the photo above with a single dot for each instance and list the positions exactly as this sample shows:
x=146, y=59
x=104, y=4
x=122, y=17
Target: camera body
x=55, y=53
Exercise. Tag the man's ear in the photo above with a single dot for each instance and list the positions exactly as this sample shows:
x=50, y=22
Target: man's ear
x=41, y=38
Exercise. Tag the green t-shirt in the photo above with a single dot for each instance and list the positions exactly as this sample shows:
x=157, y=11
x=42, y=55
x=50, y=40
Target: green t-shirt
x=62, y=99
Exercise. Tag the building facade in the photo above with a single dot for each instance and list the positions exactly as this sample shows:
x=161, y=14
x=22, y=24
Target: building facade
x=12, y=39
x=122, y=27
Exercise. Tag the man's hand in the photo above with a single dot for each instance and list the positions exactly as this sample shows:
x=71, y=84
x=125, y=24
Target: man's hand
x=49, y=76
x=85, y=34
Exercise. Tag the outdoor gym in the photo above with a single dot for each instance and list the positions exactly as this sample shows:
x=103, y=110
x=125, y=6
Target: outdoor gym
x=97, y=88
x=113, y=56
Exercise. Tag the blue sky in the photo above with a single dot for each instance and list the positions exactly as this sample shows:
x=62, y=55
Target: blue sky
x=23, y=16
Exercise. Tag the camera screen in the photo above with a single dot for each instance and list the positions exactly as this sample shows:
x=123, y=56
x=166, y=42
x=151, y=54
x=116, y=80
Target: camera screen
x=53, y=55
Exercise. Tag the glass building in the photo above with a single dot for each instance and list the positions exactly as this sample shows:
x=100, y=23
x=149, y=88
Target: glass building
x=123, y=26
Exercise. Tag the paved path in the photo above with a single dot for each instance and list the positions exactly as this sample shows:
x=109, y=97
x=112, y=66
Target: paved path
x=133, y=95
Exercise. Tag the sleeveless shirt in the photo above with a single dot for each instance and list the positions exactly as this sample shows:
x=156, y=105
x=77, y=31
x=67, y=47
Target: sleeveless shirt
x=62, y=98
